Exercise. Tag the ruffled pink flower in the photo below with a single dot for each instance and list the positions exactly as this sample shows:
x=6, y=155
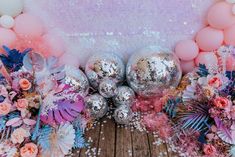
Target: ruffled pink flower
x=29, y=150
x=25, y=84
x=221, y=102
x=209, y=149
x=4, y=108
x=215, y=82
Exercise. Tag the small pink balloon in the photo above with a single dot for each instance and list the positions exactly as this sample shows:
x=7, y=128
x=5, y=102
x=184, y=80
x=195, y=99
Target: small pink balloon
x=230, y=63
x=209, y=39
x=7, y=37
x=27, y=25
x=55, y=45
x=186, y=50
x=207, y=58
x=187, y=66
x=229, y=35
x=220, y=15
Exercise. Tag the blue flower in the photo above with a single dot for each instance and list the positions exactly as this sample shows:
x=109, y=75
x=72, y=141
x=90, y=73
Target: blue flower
x=13, y=61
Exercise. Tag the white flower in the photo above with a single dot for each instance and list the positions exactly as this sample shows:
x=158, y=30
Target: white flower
x=232, y=151
x=61, y=142
x=19, y=135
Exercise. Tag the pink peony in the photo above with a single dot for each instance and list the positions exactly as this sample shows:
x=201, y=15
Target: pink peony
x=4, y=108
x=215, y=82
x=209, y=149
x=29, y=150
x=221, y=102
x=25, y=84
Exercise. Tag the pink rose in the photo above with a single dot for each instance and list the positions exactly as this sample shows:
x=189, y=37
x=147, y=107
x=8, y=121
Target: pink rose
x=221, y=102
x=25, y=84
x=209, y=149
x=29, y=150
x=5, y=108
x=215, y=82
x=19, y=135
x=22, y=104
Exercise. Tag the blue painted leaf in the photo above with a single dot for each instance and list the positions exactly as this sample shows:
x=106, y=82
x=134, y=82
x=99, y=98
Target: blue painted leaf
x=44, y=137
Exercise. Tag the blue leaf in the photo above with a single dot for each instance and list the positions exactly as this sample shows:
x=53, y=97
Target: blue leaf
x=36, y=129
x=171, y=106
x=2, y=123
x=44, y=137
x=79, y=140
x=202, y=70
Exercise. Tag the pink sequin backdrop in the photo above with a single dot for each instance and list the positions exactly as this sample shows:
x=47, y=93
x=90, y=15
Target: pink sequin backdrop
x=122, y=26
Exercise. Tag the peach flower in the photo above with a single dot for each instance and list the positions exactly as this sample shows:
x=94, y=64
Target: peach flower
x=29, y=150
x=215, y=82
x=19, y=135
x=22, y=104
x=5, y=108
x=221, y=102
x=209, y=149
x=25, y=84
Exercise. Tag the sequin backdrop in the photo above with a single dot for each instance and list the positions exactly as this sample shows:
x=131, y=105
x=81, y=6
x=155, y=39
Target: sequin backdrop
x=123, y=26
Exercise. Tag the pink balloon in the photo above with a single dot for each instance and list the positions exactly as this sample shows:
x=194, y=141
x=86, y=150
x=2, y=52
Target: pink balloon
x=7, y=37
x=220, y=15
x=187, y=66
x=187, y=50
x=55, y=45
x=229, y=35
x=28, y=26
x=207, y=58
x=230, y=63
x=209, y=39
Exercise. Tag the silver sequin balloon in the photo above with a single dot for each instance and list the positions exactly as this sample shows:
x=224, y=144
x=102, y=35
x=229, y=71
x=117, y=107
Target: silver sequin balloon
x=107, y=88
x=152, y=71
x=124, y=96
x=97, y=105
x=105, y=66
x=77, y=80
x=123, y=114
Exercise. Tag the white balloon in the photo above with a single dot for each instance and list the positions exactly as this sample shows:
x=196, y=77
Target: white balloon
x=11, y=7
x=7, y=21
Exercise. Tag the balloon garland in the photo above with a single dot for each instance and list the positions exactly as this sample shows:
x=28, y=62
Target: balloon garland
x=45, y=106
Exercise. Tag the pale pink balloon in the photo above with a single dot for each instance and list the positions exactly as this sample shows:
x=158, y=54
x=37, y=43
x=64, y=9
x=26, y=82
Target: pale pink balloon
x=220, y=15
x=27, y=25
x=186, y=50
x=55, y=45
x=209, y=39
x=230, y=64
x=208, y=58
x=7, y=37
x=229, y=35
x=187, y=66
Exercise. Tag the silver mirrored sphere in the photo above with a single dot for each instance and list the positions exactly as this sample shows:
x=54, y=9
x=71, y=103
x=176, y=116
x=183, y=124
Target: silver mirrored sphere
x=77, y=80
x=151, y=71
x=107, y=88
x=124, y=95
x=97, y=105
x=104, y=66
x=123, y=114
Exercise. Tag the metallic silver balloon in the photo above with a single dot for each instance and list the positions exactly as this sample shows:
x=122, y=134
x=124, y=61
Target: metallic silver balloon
x=124, y=95
x=151, y=71
x=123, y=114
x=77, y=80
x=105, y=66
x=107, y=88
x=97, y=105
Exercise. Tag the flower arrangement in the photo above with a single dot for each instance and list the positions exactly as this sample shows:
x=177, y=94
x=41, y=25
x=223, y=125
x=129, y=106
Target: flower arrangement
x=40, y=115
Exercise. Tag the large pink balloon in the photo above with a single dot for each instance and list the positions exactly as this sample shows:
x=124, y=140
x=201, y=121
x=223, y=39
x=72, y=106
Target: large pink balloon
x=187, y=66
x=209, y=39
x=7, y=37
x=207, y=58
x=220, y=15
x=229, y=35
x=28, y=26
x=186, y=50
x=55, y=45
x=230, y=64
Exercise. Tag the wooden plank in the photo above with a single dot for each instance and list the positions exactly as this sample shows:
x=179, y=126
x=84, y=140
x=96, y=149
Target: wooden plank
x=170, y=152
x=158, y=148
x=123, y=142
x=92, y=137
x=107, y=139
x=140, y=144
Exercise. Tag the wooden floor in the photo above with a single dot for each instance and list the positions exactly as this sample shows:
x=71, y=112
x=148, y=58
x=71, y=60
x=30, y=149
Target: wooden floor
x=107, y=139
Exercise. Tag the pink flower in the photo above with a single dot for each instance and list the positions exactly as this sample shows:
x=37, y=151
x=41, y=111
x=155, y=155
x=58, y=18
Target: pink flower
x=22, y=104
x=209, y=149
x=19, y=135
x=215, y=82
x=29, y=150
x=221, y=102
x=5, y=108
x=25, y=84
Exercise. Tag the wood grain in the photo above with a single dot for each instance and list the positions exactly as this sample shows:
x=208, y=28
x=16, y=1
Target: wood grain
x=155, y=149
